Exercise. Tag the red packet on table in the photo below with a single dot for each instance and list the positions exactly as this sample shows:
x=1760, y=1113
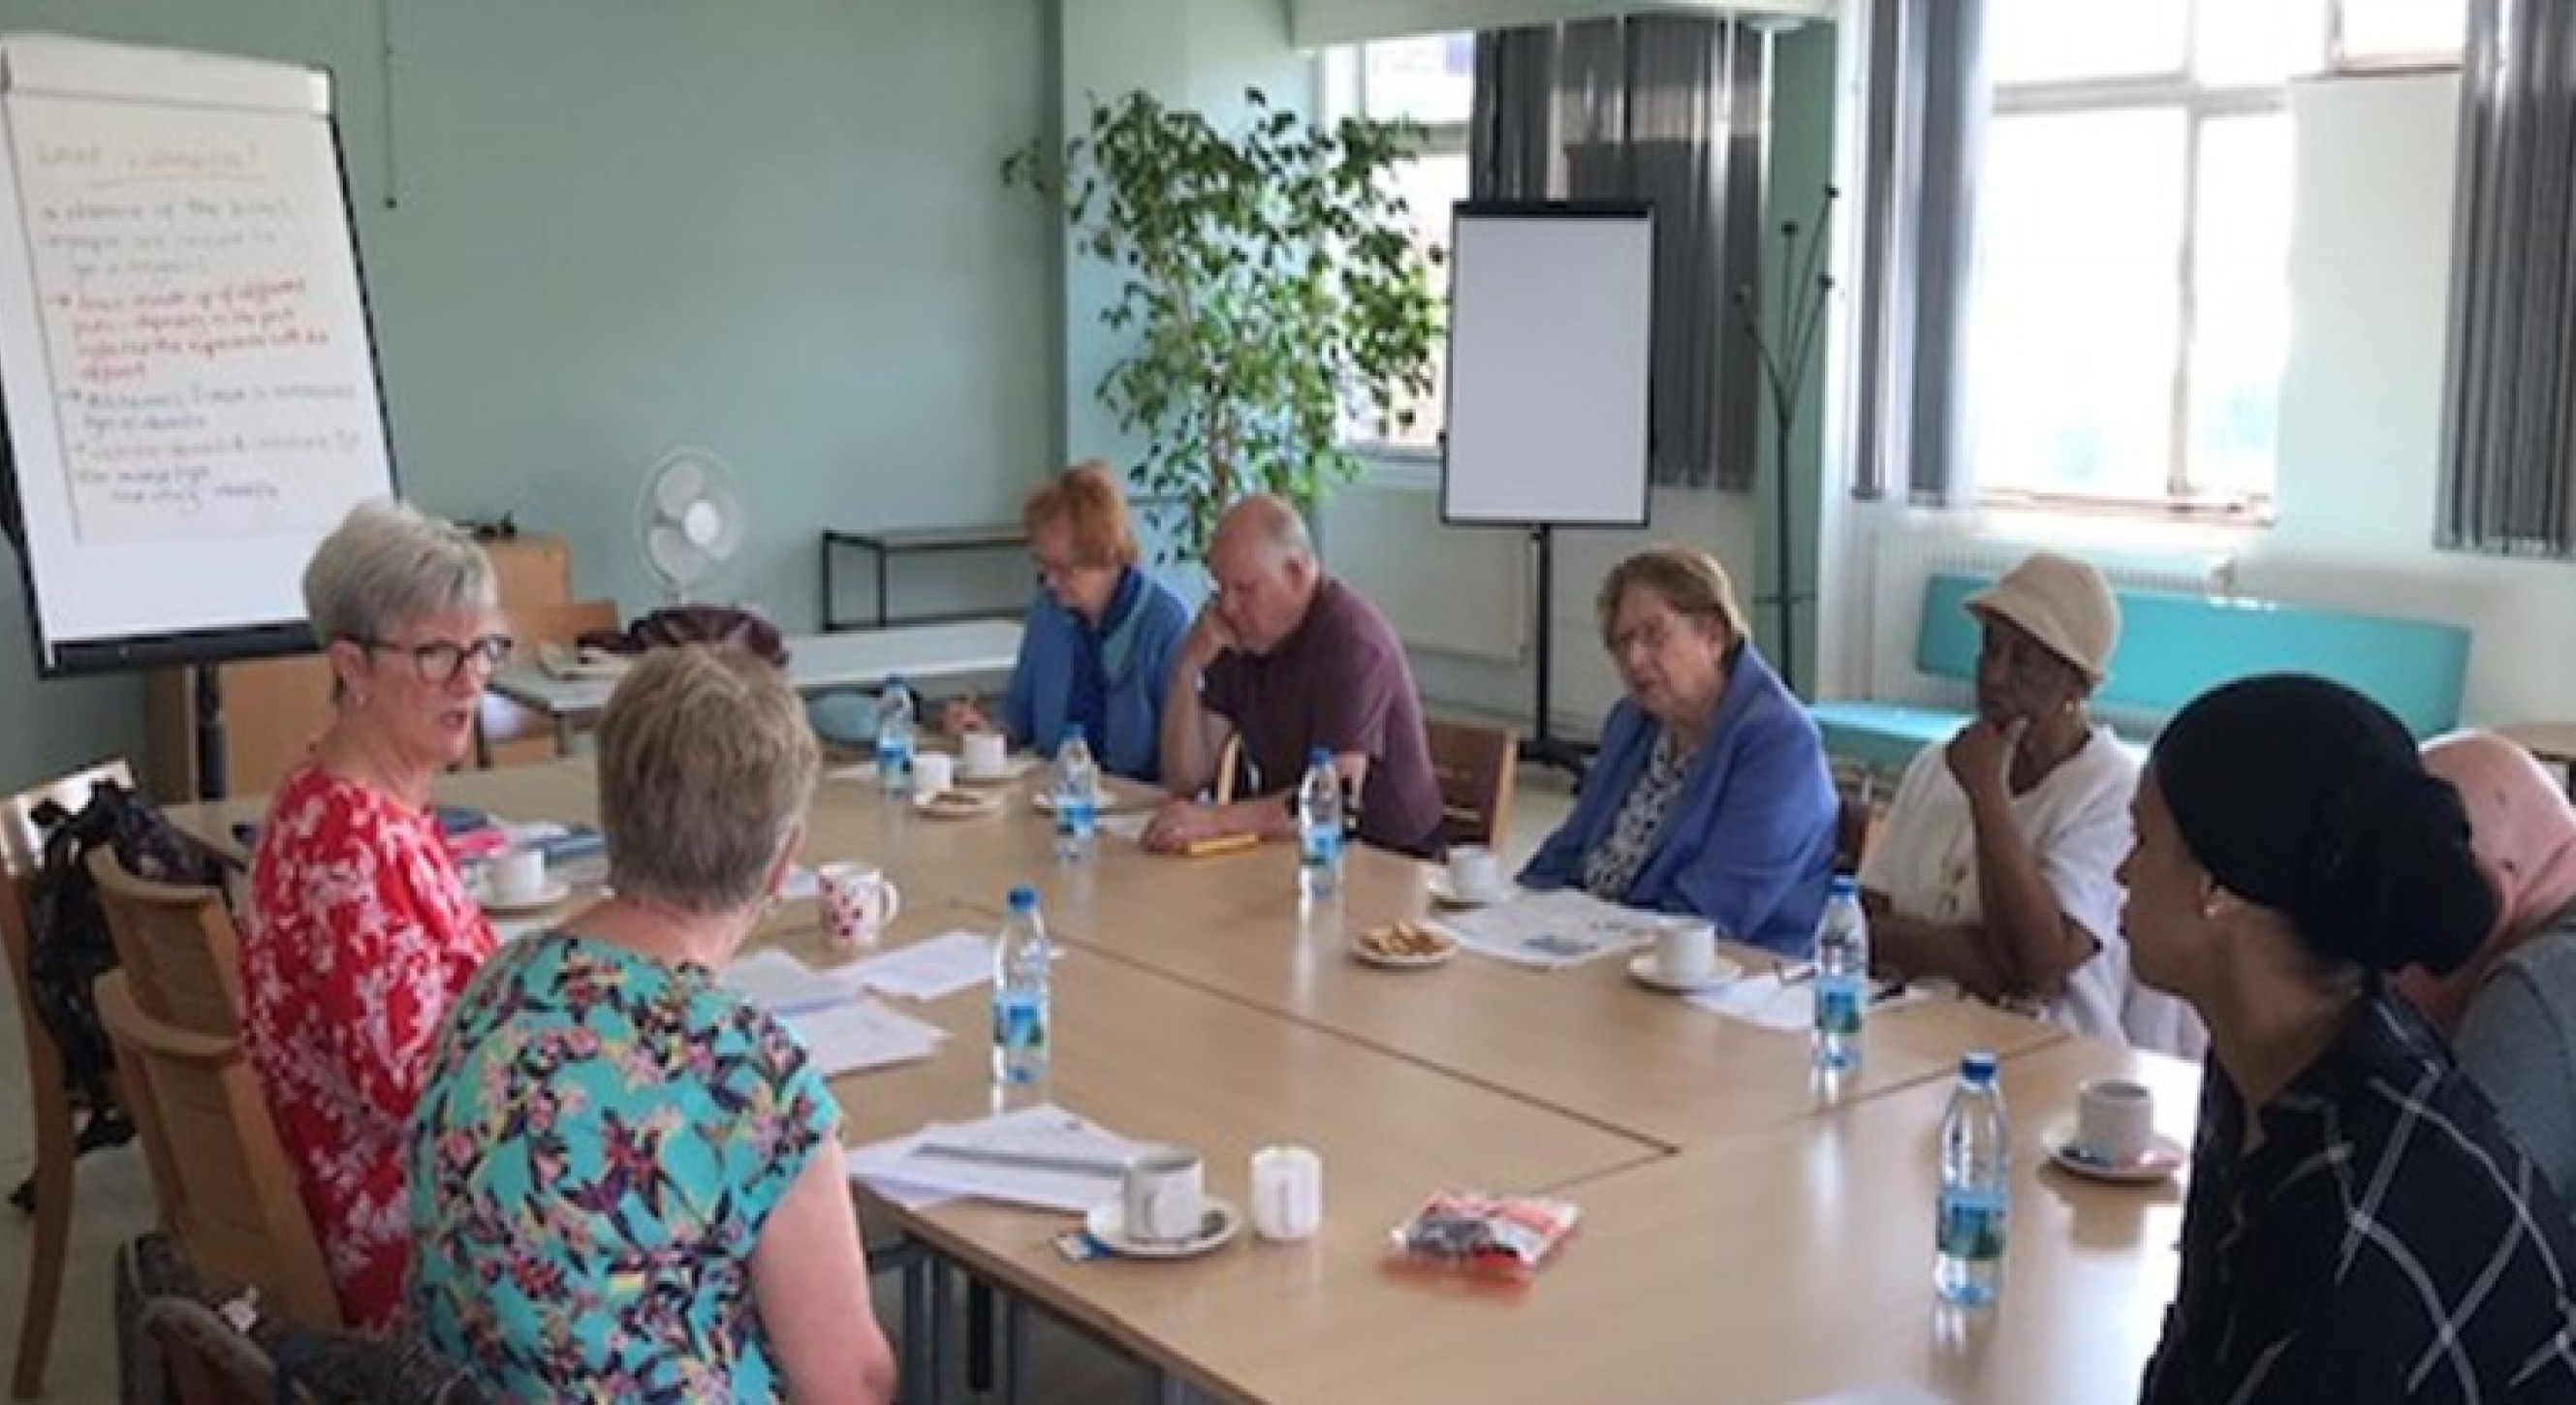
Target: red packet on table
x=1502, y=1237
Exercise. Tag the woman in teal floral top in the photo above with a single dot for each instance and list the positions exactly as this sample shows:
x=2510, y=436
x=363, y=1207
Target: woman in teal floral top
x=626, y=1181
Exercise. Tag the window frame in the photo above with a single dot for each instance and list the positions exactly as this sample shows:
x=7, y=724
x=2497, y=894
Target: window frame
x=2177, y=89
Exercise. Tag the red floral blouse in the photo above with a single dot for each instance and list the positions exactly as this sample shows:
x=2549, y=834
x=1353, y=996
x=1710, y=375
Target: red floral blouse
x=359, y=935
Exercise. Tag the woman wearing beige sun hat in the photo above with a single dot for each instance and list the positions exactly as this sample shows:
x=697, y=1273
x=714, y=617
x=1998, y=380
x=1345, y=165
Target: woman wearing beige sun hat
x=1994, y=868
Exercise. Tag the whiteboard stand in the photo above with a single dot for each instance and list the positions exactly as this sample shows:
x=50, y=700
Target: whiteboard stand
x=1551, y=334
x=189, y=395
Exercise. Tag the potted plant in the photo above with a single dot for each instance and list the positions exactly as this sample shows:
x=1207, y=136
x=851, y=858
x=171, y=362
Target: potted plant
x=1271, y=286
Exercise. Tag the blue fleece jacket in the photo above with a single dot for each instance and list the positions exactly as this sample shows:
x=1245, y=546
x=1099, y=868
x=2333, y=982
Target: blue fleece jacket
x=1749, y=841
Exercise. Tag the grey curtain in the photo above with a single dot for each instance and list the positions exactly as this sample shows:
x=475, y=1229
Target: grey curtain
x=2509, y=429
x=1926, y=128
x=1671, y=109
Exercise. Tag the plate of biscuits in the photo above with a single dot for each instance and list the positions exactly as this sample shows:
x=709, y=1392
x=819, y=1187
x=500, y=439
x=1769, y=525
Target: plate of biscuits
x=1403, y=946
x=956, y=804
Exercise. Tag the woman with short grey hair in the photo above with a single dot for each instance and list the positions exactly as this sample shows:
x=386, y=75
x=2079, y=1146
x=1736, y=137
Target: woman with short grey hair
x=626, y=1178
x=359, y=931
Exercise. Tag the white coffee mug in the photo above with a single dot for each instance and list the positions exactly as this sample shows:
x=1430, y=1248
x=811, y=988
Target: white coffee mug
x=1686, y=952
x=933, y=772
x=517, y=875
x=1163, y=1195
x=1475, y=871
x=984, y=753
x=2115, y=1120
x=1287, y=1193
x=859, y=902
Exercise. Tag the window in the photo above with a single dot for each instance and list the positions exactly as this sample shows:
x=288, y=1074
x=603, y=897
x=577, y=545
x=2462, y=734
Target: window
x=1431, y=81
x=2131, y=310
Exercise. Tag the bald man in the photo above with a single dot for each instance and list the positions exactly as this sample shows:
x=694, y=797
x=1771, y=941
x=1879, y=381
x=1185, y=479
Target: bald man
x=1291, y=659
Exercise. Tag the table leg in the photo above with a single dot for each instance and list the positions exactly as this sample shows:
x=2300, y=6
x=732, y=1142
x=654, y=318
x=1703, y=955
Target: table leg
x=882, y=614
x=563, y=734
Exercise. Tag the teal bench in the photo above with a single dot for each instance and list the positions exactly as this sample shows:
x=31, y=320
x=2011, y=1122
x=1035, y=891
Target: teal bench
x=2173, y=648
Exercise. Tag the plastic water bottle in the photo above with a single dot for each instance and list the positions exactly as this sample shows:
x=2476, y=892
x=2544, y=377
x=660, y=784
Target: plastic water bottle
x=1021, y=1013
x=1077, y=798
x=1842, y=977
x=894, y=738
x=1319, y=828
x=1976, y=1188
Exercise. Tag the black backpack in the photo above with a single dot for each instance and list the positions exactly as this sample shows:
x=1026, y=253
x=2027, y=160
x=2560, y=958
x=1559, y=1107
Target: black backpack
x=68, y=945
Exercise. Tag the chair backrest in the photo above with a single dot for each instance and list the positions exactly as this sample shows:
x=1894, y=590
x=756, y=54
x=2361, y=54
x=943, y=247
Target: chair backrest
x=1475, y=766
x=226, y=1189
x=21, y=842
x=511, y=734
x=1856, y=825
x=178, y=943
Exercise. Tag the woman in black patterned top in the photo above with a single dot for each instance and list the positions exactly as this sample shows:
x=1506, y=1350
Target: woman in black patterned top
x=2359, y=1226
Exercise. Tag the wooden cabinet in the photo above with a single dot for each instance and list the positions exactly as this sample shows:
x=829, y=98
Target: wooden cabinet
x=274, y=708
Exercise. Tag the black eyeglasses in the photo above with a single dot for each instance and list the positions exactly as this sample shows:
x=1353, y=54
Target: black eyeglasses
x=440, y=660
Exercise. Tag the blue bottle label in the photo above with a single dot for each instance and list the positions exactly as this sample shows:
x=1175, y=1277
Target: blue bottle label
x=1320, y=846
x=1019, y=1023
x=1971, y=1224
x=1838, y=1004
x=1075, y=818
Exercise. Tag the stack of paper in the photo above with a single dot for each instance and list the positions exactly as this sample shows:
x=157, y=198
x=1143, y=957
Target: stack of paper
x=1551, y=930
x=787, y=986
x=862, y=1035
x=928, y=970
x=1766, y=1000
x=1043, y=1157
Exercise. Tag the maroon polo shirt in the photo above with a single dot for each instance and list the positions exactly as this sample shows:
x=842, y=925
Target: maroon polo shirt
x=1338, y=681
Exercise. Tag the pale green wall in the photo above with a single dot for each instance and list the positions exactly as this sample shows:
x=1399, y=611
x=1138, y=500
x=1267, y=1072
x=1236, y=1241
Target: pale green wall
x=768, y=227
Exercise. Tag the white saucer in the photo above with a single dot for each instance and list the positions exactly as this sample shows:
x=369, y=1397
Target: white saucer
x=1436, y=883
x=1107, y=1223
x=555, y=891
x=2163, y=1157
x=1642, y=966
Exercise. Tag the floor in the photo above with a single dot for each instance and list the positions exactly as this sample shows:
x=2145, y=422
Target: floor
x=113, y=1203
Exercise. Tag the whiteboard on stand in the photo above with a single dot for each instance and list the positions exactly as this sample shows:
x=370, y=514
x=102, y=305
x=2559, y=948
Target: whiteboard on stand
x=1551, y=326
x=186, y=372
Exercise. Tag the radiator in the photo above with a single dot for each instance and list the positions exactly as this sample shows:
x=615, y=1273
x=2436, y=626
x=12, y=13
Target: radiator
x=1905, y=555
x=1454, y=590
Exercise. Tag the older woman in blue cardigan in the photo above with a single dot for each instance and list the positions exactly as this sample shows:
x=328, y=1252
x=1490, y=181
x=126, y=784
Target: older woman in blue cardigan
x=1711, y=794
x=1096, y=649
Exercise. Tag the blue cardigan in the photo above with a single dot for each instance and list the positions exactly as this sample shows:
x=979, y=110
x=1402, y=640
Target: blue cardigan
x=1749, y=840
x=1137, y=657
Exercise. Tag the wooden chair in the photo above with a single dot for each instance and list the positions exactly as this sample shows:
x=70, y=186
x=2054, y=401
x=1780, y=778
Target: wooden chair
x=177, y=944
x=226, y=1190
x=1857, y=819
x=507, y=734
x=50, y=1102
x=1475, y=766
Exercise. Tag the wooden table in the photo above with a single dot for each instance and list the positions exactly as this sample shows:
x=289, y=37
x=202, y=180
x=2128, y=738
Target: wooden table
x=1744, y=1237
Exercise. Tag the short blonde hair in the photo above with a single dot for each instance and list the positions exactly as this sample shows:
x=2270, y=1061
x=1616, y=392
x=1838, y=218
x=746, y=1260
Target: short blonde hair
x=1086, y=498
x=1690, y=581
x=705, y=765
x=387, y=563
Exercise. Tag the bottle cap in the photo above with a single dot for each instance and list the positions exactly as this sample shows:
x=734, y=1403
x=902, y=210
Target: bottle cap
x=1977, y=1066
x=1845, y=886
x=1320, y=756
x=1076, y=732
x=1024, y=899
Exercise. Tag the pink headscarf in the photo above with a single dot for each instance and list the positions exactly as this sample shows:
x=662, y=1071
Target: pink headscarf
x=2524, y=833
